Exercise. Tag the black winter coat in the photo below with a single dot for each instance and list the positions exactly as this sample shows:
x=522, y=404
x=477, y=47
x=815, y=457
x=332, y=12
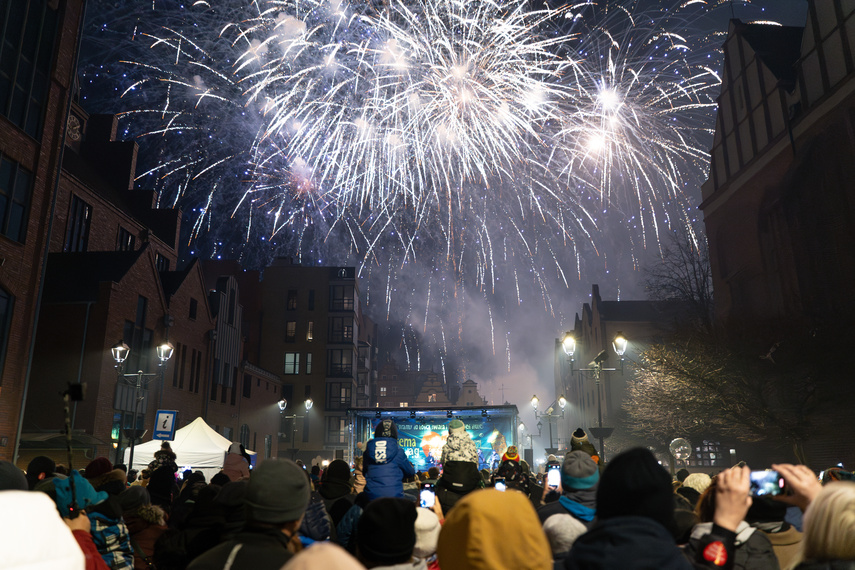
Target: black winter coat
x=256, y=548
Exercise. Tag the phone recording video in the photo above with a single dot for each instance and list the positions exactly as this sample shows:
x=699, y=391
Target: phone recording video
x=768, y=482
x=553, y=476
x=427, y=495
x=499, y=484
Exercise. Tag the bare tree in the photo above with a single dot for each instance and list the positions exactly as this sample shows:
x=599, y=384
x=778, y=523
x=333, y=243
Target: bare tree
x=702, y=385
x=682, y=272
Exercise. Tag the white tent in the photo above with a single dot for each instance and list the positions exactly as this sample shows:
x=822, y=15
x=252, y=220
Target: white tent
x=197, y=446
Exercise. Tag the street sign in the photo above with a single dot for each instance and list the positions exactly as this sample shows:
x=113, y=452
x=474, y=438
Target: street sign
x=164, y=425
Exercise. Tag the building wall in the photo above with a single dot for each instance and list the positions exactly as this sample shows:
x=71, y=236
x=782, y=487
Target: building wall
x=21, y=267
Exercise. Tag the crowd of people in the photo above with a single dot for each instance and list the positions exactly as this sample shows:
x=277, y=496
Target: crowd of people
x=575, y=514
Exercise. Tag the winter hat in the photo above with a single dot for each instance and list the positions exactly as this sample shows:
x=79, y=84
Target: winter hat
x=12, y=478
x=511, y=454
x=235, y=447
x=277, y=492
x=386, y=531
x=552, y=459
x=386, y=428
x=427, y=533
x=323, y=555
x=133, y=498
x=634, y=484
x=41, y=540
x=682, y=474
x=579, y=471
x=697, y=481
x=456, y=426
x=561, y=531
x=493, y=530
x=98, y=467
x=37, y=466
x=84, y=492
x=579, y=441
x=337, y=470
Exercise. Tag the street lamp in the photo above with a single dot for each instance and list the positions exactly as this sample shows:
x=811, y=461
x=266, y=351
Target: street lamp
x=619, y=345
x=283, y=403
x=550, y=416
x=120, y=352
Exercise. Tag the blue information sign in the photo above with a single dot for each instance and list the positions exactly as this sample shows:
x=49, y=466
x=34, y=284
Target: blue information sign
x=164, y=424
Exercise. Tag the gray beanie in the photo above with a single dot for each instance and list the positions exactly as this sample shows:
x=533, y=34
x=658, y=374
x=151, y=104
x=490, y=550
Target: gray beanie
x=579, y=471
x=277, y=492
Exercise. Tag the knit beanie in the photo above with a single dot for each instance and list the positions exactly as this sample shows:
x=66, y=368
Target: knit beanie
x=12, y=478
x=697, y=481
x=427, y=533
x=386, y=531
x=338, y=470
x=511, y=454
x=133, y=498
x=579, y=441
x=97, y=467
x=561, y=531
x=579, y=471
x=278, y=492
x=37, y=466
x=634, y=484
x=386, y=428
x=456, y=426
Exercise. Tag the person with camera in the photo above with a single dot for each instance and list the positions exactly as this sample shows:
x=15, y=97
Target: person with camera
x=829, y=524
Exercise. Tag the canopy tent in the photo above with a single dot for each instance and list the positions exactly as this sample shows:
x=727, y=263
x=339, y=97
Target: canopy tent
x=197, y=446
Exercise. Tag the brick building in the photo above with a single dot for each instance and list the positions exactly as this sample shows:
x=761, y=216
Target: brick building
x=38, y=46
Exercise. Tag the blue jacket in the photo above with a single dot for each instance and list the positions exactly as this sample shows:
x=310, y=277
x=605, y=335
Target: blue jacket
x=385, y=465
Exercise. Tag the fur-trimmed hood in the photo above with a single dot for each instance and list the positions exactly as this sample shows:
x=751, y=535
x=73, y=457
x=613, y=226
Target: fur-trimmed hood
x=144, y=516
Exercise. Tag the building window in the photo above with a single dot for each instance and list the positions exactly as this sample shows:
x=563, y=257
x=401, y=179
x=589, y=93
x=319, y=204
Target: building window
x=194, y=308
x=382, y=390
x=292, y=299
x=138, y=338
x=198, y=372
x=291, y=331
x=336, y=430
x=339, y=395
x=244, y=435
x=193, y=370
x=406, y=405
x=77, y=230
x=26, y=55
x=234, y=385
x=308, y=363
x=310, y=332
x=341, y=298
x=311, y=303
x=227, y=433
x=292, y=363
x=161, y=262
x=15, y=190
x=247, y=386
x=341, y=329
x=126, y=240
x=340, y=363
x=183, y=365
x=268, y=446
x=232, y=306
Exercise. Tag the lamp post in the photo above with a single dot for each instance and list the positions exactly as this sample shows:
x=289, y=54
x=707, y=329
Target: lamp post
x=283, y=403
x=523, y=435
x=550, y=416
x=619, y=344
x=120, y=352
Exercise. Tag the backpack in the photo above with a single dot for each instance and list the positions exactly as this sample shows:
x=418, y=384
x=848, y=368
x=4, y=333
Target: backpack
x=512, y=472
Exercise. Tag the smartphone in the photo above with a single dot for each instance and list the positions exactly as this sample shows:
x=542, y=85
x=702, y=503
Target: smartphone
x=766, y=482
x=553, y=476
x=427, y=495
x=499, y=484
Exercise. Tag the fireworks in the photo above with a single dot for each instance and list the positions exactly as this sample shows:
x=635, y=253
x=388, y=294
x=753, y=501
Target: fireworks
x=455, y=143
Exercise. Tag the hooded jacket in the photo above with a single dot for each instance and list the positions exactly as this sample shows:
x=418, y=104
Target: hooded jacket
x=385, y=464
x=459, y=447
x=753, y=551
x=493, y=530
x=145, y=525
